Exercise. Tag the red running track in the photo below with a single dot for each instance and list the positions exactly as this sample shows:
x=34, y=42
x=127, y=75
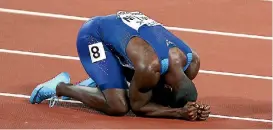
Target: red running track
x=228, y=95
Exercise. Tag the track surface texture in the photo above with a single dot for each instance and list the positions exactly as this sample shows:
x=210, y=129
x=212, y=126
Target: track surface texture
x=237, y=100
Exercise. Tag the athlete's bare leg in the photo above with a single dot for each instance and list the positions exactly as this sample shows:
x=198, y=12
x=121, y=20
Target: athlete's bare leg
x=110, y=101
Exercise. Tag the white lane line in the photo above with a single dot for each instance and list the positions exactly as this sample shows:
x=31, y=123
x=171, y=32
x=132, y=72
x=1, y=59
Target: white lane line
x=220, y=33
x=211, y=115
x=241, y=118
x=235, y=74
x=77, y=58
x=60, y=16
x=38, y=54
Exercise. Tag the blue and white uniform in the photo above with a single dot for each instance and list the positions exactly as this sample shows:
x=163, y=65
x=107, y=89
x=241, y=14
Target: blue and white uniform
x=102, y=43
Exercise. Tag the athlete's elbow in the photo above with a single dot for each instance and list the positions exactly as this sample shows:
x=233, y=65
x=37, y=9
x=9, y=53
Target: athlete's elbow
x=137, y=109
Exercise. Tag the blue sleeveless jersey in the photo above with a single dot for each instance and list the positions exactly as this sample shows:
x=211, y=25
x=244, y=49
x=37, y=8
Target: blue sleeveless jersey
x=115, y=32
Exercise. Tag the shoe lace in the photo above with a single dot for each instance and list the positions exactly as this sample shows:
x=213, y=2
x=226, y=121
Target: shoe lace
x=53, y=100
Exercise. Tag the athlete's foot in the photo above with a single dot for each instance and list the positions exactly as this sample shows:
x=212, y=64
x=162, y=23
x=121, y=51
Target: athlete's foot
x=88, y=83
x=48, y=89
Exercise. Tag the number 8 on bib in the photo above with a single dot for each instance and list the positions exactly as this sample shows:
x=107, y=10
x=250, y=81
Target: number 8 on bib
x=97, y=52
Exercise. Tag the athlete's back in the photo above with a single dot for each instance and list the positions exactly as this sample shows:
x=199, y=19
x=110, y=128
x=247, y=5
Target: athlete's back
x=118, y=29
x=102, y=43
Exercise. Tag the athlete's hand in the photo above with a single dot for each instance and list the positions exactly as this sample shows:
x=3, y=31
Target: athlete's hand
x=203, y=112
x=189, y=111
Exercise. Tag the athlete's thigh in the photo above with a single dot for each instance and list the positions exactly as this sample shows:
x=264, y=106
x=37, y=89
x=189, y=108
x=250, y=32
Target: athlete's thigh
x=107, y=72
x=98, y=61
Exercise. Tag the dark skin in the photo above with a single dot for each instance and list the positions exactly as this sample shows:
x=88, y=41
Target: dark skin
x=147, y=75
x=191, y=72
x=114, y=102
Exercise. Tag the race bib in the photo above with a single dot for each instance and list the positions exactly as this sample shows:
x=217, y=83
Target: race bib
x=136, y=19
x=97, y=52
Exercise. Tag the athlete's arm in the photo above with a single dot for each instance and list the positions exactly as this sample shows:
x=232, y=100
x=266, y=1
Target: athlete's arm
x=194, y=67
x=140, y=93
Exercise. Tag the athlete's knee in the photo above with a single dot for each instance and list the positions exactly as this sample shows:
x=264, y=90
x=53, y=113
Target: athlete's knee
x=117, y=101
x=117, y=108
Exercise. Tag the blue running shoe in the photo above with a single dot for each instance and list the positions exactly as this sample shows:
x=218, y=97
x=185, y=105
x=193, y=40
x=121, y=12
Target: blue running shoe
x=48, y=89
x=88, y=82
